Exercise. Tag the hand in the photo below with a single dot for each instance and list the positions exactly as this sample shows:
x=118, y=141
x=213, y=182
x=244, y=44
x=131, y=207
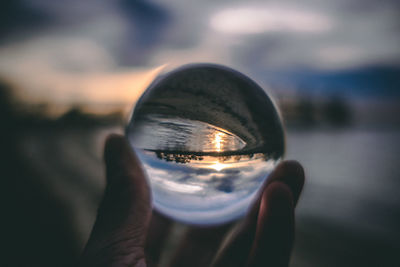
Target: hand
x=126, y=233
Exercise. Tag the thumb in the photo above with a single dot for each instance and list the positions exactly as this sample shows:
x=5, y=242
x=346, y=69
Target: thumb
x=119, y=234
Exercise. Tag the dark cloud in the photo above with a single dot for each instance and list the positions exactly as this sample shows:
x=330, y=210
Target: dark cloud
x=18, y=17
x=374, y=80
x=148, y=22
x=258, y=49
x=226, y=186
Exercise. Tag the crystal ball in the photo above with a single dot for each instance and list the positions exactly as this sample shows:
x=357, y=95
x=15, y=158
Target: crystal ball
x=207, y=136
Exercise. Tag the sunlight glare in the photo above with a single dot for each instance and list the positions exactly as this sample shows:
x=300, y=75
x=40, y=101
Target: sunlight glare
x=218, y=166
x=218, y=141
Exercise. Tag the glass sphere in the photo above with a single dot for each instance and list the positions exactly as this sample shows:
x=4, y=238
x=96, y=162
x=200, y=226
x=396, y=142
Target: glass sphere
x=208, y=137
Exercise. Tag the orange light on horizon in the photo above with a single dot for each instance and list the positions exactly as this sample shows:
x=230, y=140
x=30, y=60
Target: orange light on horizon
x=97, y=93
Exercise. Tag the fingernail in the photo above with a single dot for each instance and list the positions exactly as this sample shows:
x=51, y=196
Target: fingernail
x=291, y=173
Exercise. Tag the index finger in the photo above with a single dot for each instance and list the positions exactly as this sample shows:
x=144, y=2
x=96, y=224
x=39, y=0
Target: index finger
x=237, y=249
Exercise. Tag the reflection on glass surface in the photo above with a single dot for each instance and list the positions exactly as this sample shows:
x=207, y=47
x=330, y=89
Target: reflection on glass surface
x=208, y=137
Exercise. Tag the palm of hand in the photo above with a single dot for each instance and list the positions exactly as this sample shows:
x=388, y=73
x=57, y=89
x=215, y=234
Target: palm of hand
x=128, y=233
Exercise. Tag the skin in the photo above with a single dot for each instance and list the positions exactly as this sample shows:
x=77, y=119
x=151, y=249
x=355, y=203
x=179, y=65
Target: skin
x=128, y=233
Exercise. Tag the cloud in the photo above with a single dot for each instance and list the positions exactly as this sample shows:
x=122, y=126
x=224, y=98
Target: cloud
x=71, y=39
x=264, y=19
x=348, y=40
x=72, y=71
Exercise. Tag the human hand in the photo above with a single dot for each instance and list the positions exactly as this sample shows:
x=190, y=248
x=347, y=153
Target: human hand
x=126, y=233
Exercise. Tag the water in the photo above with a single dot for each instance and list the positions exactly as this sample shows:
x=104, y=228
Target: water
x=208, y=137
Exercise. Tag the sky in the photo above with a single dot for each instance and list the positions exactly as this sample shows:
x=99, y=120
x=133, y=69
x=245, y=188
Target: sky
x=106, y=52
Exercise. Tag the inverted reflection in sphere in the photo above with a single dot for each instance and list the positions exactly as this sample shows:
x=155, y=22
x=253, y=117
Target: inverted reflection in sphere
x=208, y=137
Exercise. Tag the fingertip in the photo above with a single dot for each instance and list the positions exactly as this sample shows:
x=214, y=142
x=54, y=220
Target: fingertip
x=113, y=146
x=294, y=170
x=119, y=155
x=291, y=173
x=292, y=167
x=114, y=136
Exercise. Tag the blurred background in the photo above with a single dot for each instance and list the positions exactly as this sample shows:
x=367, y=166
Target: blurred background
x=70, y=72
